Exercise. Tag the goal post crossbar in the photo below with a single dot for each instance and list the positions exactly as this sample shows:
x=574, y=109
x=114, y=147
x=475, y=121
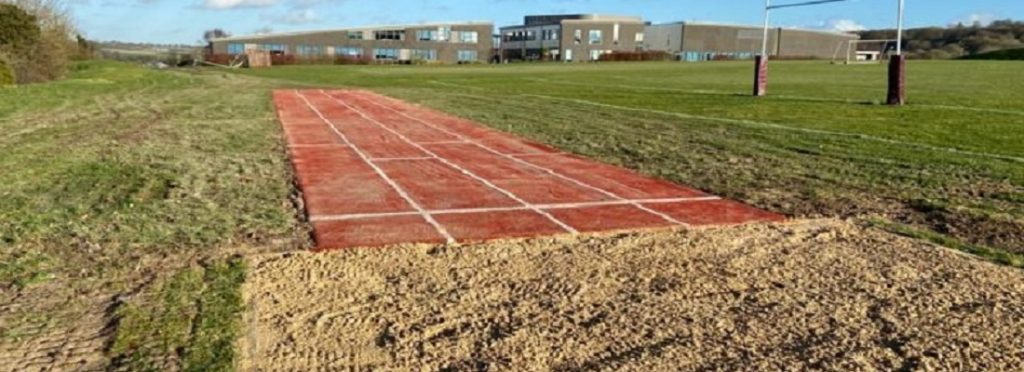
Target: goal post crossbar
x=806, y=3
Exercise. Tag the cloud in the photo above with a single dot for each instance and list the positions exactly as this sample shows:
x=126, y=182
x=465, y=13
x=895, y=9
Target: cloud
x=263, y=30
x=842, y=25
x=235, y=4
x=981, y=18
x=293, y=17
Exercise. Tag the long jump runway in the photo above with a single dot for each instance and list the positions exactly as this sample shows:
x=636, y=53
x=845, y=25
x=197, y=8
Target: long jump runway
x=376, y=171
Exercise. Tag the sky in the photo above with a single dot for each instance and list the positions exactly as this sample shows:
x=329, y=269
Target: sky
x=183, y=21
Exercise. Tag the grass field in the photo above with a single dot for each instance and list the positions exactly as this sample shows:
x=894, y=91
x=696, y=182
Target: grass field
x=127, y=193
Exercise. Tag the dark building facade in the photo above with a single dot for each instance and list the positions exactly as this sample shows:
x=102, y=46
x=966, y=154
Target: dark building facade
x=705, y=41
x=466, y=42
x=570, y=38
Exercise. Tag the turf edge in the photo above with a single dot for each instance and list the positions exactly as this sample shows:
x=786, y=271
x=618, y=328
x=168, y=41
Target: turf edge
x=990, y=254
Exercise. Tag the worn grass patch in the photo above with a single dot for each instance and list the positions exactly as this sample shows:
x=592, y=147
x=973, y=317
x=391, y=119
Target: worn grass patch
x=22, y=269
x=217, y=326
x=188, y=322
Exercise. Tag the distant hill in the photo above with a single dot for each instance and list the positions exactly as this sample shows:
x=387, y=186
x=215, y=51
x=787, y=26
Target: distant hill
x=958, y=41
x=120, y=45
x=144, y=52
x=1006, y=55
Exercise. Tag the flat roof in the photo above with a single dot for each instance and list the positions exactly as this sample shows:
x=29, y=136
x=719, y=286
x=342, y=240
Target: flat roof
x=360, y=28
x=557, y=19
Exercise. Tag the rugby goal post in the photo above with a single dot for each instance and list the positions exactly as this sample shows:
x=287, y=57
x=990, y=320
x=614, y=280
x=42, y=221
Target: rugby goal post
x=897, y=63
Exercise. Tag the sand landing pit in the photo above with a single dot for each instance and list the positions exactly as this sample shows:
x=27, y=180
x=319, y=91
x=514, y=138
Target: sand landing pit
x=376, y=171
x=818, y=294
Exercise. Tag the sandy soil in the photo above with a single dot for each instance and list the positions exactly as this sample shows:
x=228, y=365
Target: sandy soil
x=813, y=294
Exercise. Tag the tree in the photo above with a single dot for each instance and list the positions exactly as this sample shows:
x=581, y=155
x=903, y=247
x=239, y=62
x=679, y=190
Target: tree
x=217, y=33
x=957, y=41
x=86, y=49
x=46, y=58
x=19, y=30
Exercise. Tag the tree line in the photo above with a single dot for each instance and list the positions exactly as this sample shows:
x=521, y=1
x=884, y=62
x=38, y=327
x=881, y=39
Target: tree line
x=38, y=40
x=957, y=41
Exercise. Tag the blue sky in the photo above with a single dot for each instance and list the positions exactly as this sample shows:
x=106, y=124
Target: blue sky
x=183, y=21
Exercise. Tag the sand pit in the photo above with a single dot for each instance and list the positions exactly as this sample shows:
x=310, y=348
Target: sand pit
x=811, y=294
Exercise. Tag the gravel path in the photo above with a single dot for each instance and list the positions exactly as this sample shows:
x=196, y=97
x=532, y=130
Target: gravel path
x=820, y=294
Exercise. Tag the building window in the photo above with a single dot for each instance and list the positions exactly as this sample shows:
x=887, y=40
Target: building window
x=389, y=35
x=595, y=37
x=615, y=34
x=467, y=56
x=236, y=48
x=577, y=36
x=441, y=34
x=386, y=54
x=348, y=52
x=424, y=54
x=426, y=35
x=471, y=37
x=309, y=50
x=639, y=37
x=274, y=48
x=568, y=55
x=355, y=35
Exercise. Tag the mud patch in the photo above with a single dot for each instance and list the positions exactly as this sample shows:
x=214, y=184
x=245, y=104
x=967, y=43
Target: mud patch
x=812, y=294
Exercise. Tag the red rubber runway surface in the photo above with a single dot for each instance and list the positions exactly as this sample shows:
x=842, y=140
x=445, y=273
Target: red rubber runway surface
x=375, y=171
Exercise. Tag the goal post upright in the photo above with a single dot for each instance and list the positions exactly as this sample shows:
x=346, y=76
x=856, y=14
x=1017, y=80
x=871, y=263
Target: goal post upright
x=898, y=65
x=761, y=61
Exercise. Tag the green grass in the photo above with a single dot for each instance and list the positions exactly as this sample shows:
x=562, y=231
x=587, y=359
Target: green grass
x=128, y=159
x=821, y=144
x=1007, y=55
x=23, y=269
x=190, y=321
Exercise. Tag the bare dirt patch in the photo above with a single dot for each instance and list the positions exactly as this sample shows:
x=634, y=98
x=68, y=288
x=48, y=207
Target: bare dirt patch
x=812, y=294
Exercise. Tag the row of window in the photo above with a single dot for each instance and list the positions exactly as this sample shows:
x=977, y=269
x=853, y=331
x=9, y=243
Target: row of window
x=355, y=52
x=595, y=37
x=392, y=54
x=595, y=55
x=309, y=50
x=444, y=34
x=711, y=56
